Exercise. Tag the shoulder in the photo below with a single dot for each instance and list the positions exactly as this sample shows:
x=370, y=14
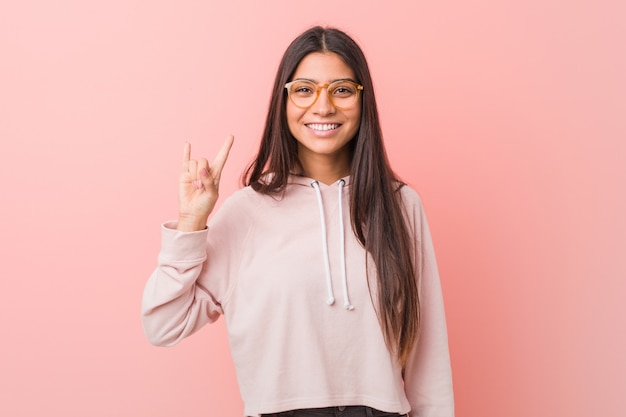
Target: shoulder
x=414, y=210
x=410, y=198
x=242, y=200
x=244, y=203
x=240, y=197
x=236, y=207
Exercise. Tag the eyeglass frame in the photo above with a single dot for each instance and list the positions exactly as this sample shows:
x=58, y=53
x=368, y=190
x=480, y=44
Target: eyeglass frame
x=359, y=89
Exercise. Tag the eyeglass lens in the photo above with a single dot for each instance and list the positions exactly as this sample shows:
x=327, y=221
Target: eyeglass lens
x=341, y=93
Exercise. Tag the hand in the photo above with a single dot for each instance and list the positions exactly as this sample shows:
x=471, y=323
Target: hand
x=199, y=187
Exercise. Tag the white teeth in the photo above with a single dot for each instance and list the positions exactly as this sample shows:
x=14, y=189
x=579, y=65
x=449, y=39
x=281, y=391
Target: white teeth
x=323, y=126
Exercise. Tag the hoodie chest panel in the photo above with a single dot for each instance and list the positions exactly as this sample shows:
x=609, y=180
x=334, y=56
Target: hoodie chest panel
x=283, y=267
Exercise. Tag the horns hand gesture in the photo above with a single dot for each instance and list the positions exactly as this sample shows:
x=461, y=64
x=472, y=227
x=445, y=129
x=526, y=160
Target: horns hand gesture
x=199, y=187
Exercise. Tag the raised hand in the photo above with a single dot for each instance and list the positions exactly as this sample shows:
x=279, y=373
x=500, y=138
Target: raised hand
x=198, y=188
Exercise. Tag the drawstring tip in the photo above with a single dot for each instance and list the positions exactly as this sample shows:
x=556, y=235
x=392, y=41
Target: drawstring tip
x=330, y=301
x=348, y=306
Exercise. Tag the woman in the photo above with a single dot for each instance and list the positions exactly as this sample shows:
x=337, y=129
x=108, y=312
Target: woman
x=321, y=214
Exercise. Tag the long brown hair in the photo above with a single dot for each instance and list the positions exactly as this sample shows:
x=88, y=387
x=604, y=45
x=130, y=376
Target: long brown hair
x=376, y=208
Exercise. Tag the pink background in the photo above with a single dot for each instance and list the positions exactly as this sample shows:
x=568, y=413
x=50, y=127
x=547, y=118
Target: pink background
x=509, y=117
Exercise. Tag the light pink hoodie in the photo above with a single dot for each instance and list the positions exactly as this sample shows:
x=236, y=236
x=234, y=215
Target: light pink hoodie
x=301, y=323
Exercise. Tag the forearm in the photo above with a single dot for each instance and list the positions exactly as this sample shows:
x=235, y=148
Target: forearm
x=173, y=306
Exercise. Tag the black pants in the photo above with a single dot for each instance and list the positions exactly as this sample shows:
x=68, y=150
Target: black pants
x=348, y=411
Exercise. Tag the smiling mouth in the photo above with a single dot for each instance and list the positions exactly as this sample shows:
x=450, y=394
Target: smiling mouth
x=323, y=126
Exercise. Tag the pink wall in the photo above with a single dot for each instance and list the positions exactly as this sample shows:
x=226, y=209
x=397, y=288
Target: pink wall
x=508, y=117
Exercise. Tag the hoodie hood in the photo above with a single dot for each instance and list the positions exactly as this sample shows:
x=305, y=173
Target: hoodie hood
x=298, y=179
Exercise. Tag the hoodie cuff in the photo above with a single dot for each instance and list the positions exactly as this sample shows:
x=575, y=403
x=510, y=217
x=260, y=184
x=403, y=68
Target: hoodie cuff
x=182, y=245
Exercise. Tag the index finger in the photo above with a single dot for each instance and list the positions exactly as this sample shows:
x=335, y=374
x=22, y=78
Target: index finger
x=220, y=159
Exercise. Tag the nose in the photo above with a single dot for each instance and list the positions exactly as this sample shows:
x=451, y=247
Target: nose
x=323, y=106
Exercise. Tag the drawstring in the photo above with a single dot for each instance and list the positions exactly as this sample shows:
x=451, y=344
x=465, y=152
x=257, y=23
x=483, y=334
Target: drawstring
x=344, y=278
x=329, y=285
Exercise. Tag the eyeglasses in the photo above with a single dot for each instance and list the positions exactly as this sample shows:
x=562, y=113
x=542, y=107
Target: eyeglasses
x=341, y=93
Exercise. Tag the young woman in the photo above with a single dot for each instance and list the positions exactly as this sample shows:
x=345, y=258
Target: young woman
x=322, y=266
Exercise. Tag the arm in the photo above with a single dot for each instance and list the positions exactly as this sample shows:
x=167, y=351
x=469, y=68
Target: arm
x=174, y=303
x=428, y=377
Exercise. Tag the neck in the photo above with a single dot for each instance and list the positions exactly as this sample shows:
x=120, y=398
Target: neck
x=326, y=169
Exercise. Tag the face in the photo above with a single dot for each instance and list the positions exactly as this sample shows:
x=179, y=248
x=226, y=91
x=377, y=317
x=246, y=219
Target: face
x=322, y=130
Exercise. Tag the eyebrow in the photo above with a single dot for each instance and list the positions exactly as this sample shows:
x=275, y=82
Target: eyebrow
x=333, y=81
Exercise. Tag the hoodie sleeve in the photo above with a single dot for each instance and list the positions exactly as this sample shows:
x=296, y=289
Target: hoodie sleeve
x=194, y=274
x=428, y=376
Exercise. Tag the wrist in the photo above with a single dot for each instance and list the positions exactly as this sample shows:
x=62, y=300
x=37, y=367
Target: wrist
x=193, y=224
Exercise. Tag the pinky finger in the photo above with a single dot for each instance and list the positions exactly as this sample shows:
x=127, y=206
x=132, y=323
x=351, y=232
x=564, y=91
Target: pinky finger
x=186, y=156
